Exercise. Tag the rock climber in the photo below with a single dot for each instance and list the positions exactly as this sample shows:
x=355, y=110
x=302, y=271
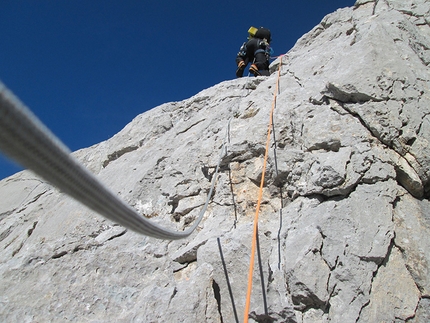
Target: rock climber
x=256, y=50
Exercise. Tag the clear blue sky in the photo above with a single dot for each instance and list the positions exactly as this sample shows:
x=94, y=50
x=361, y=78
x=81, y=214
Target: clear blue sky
x=86, y=68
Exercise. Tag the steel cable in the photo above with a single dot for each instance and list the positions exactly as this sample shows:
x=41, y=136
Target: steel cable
x=26, y=140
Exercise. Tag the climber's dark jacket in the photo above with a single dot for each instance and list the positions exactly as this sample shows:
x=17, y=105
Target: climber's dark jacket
x=256, y=50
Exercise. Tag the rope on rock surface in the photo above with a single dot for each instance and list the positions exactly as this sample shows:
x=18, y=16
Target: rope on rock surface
x=26, y=140
x=260, y=196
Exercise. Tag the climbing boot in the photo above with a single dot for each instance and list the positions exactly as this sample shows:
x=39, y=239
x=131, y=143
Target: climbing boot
x=254, y=70
x=240, y=69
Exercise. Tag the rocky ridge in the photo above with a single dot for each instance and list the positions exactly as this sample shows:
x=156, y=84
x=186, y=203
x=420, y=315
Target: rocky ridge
x=345, y=218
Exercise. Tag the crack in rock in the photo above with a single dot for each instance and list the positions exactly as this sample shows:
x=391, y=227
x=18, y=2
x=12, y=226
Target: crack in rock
x=117, y=154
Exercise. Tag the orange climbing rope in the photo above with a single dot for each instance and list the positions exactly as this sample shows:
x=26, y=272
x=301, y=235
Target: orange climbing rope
x=260, y=195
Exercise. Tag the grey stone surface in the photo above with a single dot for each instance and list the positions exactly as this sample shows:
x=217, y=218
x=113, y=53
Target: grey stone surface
x=345, y=215
x=395, y=295
x=412, y=221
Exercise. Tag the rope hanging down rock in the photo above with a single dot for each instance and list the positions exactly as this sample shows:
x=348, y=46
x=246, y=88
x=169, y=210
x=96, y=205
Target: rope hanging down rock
x=260, y=196
x=26, y=140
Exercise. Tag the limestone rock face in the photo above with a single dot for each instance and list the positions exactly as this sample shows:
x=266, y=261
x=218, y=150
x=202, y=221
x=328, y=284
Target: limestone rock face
x=344, y=221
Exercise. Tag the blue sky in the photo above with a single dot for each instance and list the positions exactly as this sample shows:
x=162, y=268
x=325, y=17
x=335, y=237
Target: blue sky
x=86, y=68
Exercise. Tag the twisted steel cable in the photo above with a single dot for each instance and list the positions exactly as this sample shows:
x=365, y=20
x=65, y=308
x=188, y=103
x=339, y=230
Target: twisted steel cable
x=26, y=140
